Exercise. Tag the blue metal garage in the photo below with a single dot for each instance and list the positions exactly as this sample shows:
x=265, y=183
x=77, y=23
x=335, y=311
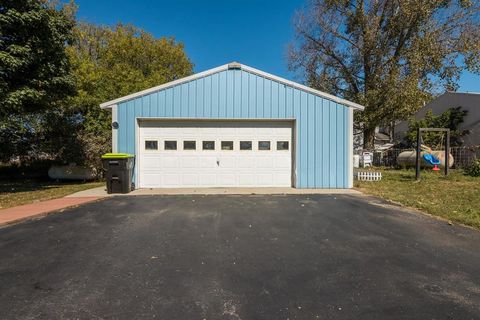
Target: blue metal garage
x=235, y=126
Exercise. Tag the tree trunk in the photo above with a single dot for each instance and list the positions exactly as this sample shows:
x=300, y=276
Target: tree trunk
x=392, y=132
x=369, y=138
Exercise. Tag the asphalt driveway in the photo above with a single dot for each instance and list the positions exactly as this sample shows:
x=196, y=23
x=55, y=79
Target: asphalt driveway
x=239, y=257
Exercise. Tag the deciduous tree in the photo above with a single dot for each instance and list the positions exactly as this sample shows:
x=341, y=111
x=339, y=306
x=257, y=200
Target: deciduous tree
x=389, y=55
x=110, y=62
x=35, y=75
x=34, y=67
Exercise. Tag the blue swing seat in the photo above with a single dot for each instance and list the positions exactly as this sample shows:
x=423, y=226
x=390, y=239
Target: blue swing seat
x=430, y=158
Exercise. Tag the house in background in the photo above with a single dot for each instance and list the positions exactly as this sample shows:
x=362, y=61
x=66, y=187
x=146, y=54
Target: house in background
x=468, y=101
x=235, y=126
x=382, y=140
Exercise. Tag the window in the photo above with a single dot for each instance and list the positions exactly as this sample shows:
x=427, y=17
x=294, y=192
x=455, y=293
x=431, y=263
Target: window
x=245, y=145
x=282, y=145
x=263, y=145
x=189, y=145
x=227, y=145
x=208, y=145
x=170, y=145
x=151, y=145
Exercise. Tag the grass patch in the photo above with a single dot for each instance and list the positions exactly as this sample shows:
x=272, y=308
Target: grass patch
x=455, y=197
x=17, y=192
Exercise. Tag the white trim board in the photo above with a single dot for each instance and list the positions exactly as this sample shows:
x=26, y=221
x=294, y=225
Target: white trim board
x=350, y=148
x=234, y=65
x=114, y=131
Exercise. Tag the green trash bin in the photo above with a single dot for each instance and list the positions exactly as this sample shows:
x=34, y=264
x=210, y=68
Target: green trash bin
x=118, y=172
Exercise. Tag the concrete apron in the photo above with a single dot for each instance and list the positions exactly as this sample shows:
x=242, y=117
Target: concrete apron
x=101, y=191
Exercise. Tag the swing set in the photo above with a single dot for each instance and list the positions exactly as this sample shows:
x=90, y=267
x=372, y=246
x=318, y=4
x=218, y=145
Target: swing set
x=429, y=157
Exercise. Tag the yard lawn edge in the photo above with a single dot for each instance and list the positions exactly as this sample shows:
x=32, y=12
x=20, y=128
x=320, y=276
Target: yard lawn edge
x=413, y=210
x=53, y=197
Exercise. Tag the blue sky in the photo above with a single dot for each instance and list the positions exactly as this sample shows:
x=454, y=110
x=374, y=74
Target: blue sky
x=215, y=32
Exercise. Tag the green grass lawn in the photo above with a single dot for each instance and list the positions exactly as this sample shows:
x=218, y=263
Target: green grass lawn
x=455, y=197
x=18, y=192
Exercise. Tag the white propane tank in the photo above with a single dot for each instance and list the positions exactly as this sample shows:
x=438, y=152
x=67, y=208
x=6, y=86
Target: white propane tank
x=72, y=172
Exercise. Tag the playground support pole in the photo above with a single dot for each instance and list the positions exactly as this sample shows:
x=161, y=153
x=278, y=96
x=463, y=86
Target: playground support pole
x=417, y=161
x=447, y=151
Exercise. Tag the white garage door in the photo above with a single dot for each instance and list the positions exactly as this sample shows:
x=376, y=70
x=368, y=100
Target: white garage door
x=176, y=154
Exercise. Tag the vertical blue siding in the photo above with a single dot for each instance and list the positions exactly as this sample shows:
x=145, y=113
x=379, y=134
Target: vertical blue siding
x=252, y=94
x=321, y=145
x=325, y=143
x=318, y=141
x=260, y=98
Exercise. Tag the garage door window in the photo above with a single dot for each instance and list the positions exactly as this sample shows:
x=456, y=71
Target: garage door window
x=170, y=145
x=282, y=145
x=189, y=145
x=227, y=145
x=151, y=145
x=263, y=145
x=245, y=145
x=208, y=145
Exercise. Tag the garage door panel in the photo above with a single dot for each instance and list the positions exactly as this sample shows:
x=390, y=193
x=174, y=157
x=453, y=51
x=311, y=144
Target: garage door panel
x=207, y=180
x=151, y=163
x=189, y=131
x=232, y=132
x=247, y=132
x=189, y=162
x=199, y=168
x=282, y=162
x=282, y=178
x=266, y=131
x=226, y=179
x=265, y=179
x=152, y=179
x=244, y=162
x=169, y=131
x=282, y=131
x=171, y=179
x=227, y=162
x=190, y=179
x=246, y=180
x=169, y=162
x=207, y=131
x=264, y=162
x=207, y=162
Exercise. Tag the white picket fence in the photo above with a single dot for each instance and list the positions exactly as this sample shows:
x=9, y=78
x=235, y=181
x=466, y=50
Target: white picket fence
x=369, y=176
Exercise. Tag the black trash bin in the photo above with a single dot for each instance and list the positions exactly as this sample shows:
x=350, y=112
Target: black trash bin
x=118, y=171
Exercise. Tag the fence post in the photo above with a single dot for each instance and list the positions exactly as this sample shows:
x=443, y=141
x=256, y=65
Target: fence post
x=447, y=152
x=417, y=159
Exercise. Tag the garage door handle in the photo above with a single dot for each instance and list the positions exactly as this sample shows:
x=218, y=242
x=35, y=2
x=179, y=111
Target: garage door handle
x=218, y=162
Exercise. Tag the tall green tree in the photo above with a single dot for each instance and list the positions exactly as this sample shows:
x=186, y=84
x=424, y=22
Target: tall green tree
x=35, y=75
x=389, y=55
x=34, y=67
x=110, y=62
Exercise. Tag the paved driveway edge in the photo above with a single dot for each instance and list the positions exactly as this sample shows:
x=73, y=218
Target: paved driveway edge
x=39, y=209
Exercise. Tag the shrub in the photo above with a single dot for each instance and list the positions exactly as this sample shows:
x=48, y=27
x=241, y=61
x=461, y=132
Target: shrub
x=474, y=169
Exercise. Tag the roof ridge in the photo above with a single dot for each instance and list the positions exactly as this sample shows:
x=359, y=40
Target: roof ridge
x=463, y=92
